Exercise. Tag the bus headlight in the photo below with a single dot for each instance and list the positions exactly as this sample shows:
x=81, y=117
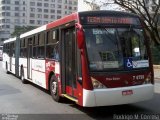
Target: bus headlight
x=96, y=84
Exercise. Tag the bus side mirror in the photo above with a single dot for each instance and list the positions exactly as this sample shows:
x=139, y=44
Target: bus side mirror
x=80, y=35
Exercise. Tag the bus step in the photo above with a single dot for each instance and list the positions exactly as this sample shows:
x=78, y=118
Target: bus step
x=70, y=97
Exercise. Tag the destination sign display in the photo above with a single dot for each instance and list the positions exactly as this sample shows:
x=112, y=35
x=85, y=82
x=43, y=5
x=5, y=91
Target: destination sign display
x=109, y=20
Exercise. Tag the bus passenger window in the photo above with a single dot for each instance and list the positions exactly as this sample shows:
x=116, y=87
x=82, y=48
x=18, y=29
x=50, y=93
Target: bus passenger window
x=41, y=52
x=56, y=52
x=49, y=51
x=52, y=51
x=34, y=52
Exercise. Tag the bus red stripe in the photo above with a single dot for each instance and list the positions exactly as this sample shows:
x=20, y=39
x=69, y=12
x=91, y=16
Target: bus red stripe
x=63, y=21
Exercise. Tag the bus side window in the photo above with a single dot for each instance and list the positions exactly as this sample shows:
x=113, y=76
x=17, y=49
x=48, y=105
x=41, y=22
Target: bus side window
x=35, y=46
x=13, y=50
x=21, y=45
x=56, y=51
x=23, y=52
x=52, y=46
x=53, y=51
x=41, y=40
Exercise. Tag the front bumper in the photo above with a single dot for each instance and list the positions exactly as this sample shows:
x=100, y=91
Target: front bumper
x=113, y=96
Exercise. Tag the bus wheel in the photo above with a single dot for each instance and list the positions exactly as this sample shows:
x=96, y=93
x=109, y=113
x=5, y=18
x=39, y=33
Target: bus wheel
x=54, y=89
x=22, y=76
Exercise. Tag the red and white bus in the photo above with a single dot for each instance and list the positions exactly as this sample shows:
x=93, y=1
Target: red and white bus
x=1, y=52
x=95, y=58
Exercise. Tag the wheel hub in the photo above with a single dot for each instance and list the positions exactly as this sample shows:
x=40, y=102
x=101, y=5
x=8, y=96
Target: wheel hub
x=54, y=87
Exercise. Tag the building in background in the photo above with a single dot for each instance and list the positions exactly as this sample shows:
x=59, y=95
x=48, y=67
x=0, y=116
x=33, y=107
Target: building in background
x=31, y=13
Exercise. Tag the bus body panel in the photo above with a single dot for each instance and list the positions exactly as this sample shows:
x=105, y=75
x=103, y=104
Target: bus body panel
x=1, y=52
x=38, y=72
x=50, y=68
x=80, y=94
x=114, y=80
x=13, y=65
x=114, y=96
x=23, y=62
x=5, y=60
x=62, y=21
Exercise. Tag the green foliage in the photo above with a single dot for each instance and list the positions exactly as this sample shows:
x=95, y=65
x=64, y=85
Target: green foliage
x=156, y=54
x=21, y=29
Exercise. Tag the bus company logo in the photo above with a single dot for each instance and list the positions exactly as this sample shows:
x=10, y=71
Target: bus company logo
x=48, y=65
x=114, y=79
x=38, y=66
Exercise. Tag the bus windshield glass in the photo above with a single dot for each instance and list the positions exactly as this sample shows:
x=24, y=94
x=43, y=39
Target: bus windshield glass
x=116, y=48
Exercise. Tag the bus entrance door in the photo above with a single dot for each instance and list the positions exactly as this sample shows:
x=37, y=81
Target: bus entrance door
x=70, y=62
x=29, y=59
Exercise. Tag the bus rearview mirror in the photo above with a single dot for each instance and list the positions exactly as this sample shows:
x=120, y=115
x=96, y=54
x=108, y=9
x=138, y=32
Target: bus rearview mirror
x=80, y=36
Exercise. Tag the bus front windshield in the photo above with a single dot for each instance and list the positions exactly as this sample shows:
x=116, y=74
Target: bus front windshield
x=115, y=48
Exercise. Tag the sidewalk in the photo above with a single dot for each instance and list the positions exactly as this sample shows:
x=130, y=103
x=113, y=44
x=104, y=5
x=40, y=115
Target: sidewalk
x=156, y=72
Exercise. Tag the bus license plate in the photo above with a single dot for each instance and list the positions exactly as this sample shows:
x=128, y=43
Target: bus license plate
x=127, y=92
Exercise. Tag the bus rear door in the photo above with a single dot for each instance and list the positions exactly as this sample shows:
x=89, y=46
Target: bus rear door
x=29, y=59
x=11, y=54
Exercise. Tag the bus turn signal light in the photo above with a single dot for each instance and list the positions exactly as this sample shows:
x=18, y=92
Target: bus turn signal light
x=148, y=79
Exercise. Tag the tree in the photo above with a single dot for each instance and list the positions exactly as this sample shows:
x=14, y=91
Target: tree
x=151, y=19
x=93, y=5
x=21, y=29
x=100, y=4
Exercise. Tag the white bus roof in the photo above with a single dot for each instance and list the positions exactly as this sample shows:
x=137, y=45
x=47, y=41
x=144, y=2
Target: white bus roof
x=37, y=30
x=10, y=40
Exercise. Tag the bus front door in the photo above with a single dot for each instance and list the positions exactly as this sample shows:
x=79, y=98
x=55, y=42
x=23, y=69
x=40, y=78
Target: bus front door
x=29, y=59
x=69, y=58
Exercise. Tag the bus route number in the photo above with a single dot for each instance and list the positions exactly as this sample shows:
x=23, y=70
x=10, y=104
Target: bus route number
x=138, y=77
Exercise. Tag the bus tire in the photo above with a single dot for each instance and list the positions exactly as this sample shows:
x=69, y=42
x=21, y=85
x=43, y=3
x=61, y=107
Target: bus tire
x=54, y=89
x=7, y=68
x=22, y=76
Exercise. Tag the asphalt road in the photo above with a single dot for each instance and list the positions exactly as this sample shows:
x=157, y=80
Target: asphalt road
x=30, y=102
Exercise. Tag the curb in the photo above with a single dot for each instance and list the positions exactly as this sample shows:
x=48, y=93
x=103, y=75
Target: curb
x=157, y=79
